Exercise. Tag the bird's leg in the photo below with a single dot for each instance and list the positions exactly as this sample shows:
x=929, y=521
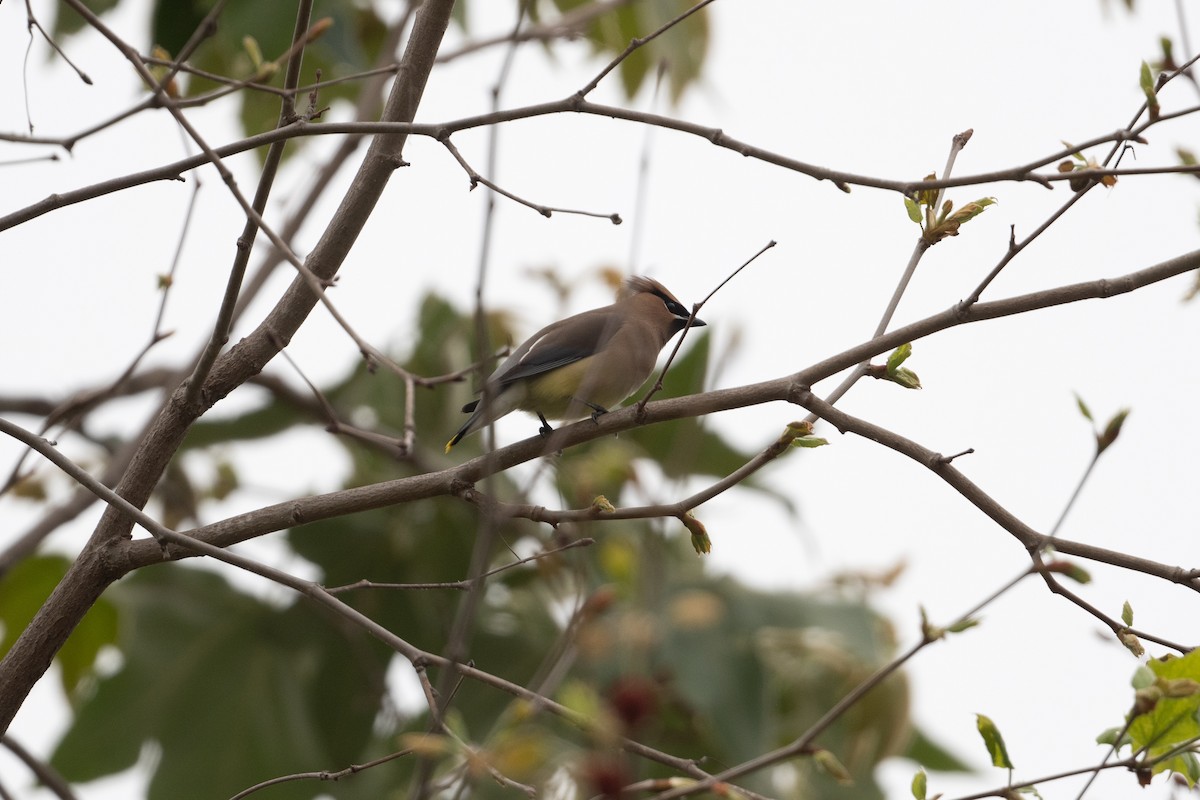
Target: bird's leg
x=597, y=409
x=545, y=430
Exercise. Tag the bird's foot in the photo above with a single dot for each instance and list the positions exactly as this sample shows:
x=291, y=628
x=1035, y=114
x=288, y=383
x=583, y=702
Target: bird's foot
x=597, y=410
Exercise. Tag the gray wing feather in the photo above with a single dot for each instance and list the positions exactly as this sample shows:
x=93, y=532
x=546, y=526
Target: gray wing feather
x=547, y=350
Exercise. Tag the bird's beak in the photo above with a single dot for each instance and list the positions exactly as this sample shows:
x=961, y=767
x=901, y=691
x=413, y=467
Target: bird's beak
x=698, y=323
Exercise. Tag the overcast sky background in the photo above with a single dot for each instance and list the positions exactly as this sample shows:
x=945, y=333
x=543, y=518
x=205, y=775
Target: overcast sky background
x=870, y=87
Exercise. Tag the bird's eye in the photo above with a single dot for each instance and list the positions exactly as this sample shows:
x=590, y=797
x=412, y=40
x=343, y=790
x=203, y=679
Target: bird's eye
x=677, y=309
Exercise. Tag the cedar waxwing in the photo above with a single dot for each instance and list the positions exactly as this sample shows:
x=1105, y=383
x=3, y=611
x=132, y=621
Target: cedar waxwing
x=583, y=364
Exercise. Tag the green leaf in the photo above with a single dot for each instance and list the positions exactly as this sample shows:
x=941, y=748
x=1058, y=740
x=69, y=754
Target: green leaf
x=898, y=357
x=971, y=210
x=1083, y=408
x=1078, y=156
x=1111, y=431
x=1172, y=720
x=930, y=631
x=947, y=207
x=1168, y=49
x=1146, y=81
x=1127, y=614
x=794, y=430
x=919, y=782
x=680, y=51
x=1187, y=766
x=914, y=210
x=253, y=51
x=1131, y=643
x=349, y=46
x=962, y=625
x=1142, y=677
x=67, y=21
x=828, y=763
x=809, y=441
x=906, y=378
x=993, y=741
x=1112, y=737
x=931, y=755
x=24, y=588
x=1069, y=569
x=216, y=677
x=700, y=541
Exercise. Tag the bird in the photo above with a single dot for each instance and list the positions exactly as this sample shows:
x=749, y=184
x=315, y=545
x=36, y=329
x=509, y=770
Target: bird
x=585, y=364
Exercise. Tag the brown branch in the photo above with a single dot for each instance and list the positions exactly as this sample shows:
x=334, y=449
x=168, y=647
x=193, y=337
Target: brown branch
x=593, y=513
x=466, y=583
x=1031, y=539
x=544, y=210
x=1013, y=788
x=245, y=242
x=45, y=773
x=455, y=479
x=321, y=775
x=367, y=106
x=568, y=25
x=1118, y=628
x=188, y=543
x=637, y=43
x=574, y=104
x=658, y=384
x=803, y=744
x=957, y=143
x=93, y=570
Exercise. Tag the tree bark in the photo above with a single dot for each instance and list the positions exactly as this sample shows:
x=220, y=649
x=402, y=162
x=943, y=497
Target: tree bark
x=98, y=564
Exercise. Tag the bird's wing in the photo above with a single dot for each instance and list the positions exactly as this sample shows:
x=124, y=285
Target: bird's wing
x=546, y=350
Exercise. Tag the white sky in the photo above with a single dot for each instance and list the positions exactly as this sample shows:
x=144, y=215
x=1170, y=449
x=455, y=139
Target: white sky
x=873, y=88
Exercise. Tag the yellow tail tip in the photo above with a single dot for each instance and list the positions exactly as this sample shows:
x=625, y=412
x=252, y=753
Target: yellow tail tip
x=449, y=444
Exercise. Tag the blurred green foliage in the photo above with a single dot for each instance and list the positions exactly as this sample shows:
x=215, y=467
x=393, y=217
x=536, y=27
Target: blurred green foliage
x=252, y=38
x=229, y=689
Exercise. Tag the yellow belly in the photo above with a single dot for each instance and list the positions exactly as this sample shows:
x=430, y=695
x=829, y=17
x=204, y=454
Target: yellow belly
x=565, y=392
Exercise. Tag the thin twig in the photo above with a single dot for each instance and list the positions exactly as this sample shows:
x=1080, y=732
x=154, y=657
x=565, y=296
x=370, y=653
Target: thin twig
x=31, y=23
x=245, y=243
x=1112, y=751
x=568, y=25
x=322, y=775
x=658, y=384
x=715, y=136
x=32, y=651
x=544, y=210
x=46, y=774
x=634, y=44
x=464, y=615
x=804, y=743
x=367, y=106
x=957, y=143
x=452, y=479
x=466, y=583
x=1032, y=540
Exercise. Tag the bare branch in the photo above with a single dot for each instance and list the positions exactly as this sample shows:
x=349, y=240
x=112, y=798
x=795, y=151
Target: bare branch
x=637, y=43
x=455, y=479
x=466, y=583
x=33, y=651
x=1027, y=536
x=544, y=210
x=322, y=775
x=45, y=774
x=842, y=179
